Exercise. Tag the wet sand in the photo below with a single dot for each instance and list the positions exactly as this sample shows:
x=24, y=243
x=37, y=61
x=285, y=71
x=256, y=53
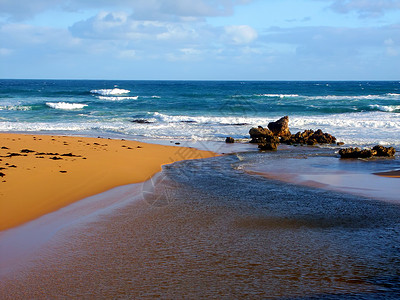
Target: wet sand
x=393, y=174
x=41, y=174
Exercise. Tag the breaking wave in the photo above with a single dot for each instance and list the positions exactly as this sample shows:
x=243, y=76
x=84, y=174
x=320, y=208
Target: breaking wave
x=118, y=98
x=386, y=108
x=107, y=92
x=65, y=105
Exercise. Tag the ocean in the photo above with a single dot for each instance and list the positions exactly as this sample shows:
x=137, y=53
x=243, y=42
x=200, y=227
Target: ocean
x=357, y=113
x=298, y=223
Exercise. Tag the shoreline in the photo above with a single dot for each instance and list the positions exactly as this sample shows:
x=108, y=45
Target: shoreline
x=43, y=173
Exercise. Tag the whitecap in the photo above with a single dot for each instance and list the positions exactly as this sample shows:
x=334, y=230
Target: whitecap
x=278, y=95
x=65, y=105
x=16, y=107
x=107, y=92
x=118, y=98
x=387, y=108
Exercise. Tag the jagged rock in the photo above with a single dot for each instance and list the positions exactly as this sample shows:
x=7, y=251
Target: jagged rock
x=257, y=133
x=230, y=140
x=309, y=137
x=384, y=151
x=367, y=153
x=281, y=127
x=356, y=153
x=268, y=143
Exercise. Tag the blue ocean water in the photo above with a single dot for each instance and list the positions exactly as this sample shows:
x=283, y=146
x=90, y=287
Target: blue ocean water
x=357, y=113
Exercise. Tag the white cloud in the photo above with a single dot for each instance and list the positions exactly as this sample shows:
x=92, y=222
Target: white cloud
x=119, y=26
x=241, y=34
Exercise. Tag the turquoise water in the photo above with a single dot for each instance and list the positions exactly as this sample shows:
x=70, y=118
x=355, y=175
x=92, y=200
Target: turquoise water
x=359, y=113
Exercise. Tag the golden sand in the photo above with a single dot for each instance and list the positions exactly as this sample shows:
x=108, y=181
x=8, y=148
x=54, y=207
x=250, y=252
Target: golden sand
x=40, y=174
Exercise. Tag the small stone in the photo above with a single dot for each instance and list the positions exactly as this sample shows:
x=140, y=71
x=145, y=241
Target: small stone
x=229, y=140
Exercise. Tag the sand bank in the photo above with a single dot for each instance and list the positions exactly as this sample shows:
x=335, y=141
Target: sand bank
x=40, y=174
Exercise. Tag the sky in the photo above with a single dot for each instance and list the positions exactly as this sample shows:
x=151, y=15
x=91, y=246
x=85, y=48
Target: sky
x=200, y=39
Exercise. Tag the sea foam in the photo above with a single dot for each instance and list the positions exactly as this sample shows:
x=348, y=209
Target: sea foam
x=107, y=92
x=65, y=105
x=387, y=108
x=118, y=98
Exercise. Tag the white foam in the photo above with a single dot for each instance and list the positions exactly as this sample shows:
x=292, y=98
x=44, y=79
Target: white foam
x=388, y=96
x=107, y=92
x=65, y=105
x=388, y=108
x=15, y=107
x=360, y=129
x=278, y=95
x=118, y=98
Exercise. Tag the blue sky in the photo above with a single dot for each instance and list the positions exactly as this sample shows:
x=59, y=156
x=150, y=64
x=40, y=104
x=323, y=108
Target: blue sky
x=200, y=39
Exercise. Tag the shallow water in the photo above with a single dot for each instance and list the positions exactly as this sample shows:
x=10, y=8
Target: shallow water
x=205, y=228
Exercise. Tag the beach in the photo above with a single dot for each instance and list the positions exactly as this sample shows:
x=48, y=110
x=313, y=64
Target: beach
x=127, y=189
x=218, y=231
x=42, y=173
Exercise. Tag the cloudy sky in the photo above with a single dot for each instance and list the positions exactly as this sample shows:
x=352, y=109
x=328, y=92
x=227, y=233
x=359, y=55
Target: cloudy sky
x=200, y=39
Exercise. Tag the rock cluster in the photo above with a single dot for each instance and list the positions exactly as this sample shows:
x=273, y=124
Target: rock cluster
x=278, y=132
x=367, y=153
x=309, y=137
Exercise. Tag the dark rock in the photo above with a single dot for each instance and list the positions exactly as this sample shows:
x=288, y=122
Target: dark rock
x=309, y=137
x=48, y=153
x=384, y=151
x=229, y=140
x=26, y=151
x=340, y=144
x=358, y=153
x=281, y=127
x=269, y=143
x=268, y=146
x=55, y=158
x=367, y=153
x=2, y=174
x=141, y=121
x=70, y=155
x=257, y=133
x=5, y=148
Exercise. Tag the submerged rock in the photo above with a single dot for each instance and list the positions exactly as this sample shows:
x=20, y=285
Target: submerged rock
x=280, y=128
x=367, y=153
x=229, y=140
